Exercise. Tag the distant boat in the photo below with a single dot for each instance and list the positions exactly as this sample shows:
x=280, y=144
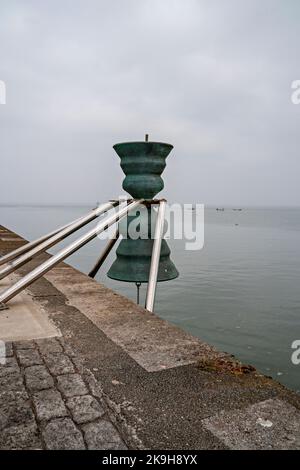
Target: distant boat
x=220, y=209
x=237, y=209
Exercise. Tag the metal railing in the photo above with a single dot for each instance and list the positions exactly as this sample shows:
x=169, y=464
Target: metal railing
x=39, y=271
x=56, y=238
x=24, y=254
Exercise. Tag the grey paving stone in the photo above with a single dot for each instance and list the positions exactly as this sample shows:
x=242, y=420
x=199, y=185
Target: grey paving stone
x=24, y=345
x=270, y=424
x=49, y=404
x=10, y=367
x=12, y=382
x=29, y=357
x=9, y=396
x=15, y=412
x=84, y=409
x=62, y=434
x=20, y=437
x=59, y=363
x=71, y=385
x=67, y=348
x=102, y=436
x=49, y=345
x=38, y=378
x=79, y=364
x=18, y=427
x=93, y=384
x=3, y=420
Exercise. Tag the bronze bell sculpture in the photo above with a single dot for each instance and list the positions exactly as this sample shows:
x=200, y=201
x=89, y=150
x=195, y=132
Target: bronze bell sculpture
x=143, y=164
x=144, y=257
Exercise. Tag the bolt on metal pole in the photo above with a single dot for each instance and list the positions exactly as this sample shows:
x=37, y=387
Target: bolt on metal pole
x=28, y=246
x=26, y=257
x=159, y=228
x=38, y=272
x=104, y=254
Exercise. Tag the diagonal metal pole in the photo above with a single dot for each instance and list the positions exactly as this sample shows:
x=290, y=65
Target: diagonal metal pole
x=28, y=246
x=38, y=272
x=111, y=243
x=26, y=257
x=158, y=235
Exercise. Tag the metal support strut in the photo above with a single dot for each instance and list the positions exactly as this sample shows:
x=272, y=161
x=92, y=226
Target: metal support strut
x=28, y=246
x=159, y=228
x=53, y=240
x=38, y=272
x=104, y=254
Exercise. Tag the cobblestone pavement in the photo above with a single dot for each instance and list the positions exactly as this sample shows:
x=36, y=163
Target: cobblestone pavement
x=49, y=401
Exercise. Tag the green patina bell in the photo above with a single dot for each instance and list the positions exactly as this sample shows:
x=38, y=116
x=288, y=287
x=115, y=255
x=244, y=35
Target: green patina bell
x=134, y=255
x=142, y=163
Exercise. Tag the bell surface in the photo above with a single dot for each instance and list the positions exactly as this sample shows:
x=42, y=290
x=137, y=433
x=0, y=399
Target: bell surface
x=143, y=163
x=133, y=259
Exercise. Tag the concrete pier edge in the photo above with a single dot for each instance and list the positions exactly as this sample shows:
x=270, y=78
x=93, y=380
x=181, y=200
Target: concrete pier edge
x=160, y=387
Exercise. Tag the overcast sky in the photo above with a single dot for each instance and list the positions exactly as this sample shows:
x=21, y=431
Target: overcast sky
x=211, y=77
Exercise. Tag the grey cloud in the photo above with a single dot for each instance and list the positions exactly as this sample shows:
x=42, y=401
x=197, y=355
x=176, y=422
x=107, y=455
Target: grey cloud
x=211, y=77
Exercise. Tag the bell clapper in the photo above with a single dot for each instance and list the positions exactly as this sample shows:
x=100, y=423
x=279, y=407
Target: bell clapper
x=138, y=285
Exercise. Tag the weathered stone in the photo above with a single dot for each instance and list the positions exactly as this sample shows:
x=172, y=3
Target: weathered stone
x=12, y=382
x=84, y=409
x=20, y=437
x=29, y=357
x=102, y=436
x=16, y=412
x=49, y=345
x=3, y=420
x=71, y=385
x=24, y=345
x=79, y=364
x=62, y=434
x=10, y=367
x=67, y=348
x=93, y=384
x=49, y=404
x=59, y=364
x=270, y=424
x=11, y=396
x=38, y=378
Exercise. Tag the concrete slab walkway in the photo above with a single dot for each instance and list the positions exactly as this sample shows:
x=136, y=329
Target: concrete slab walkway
x=122, y=377
x=24, y=319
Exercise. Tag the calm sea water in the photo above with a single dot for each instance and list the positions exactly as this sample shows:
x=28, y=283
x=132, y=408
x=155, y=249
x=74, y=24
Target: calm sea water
x=240, y=292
